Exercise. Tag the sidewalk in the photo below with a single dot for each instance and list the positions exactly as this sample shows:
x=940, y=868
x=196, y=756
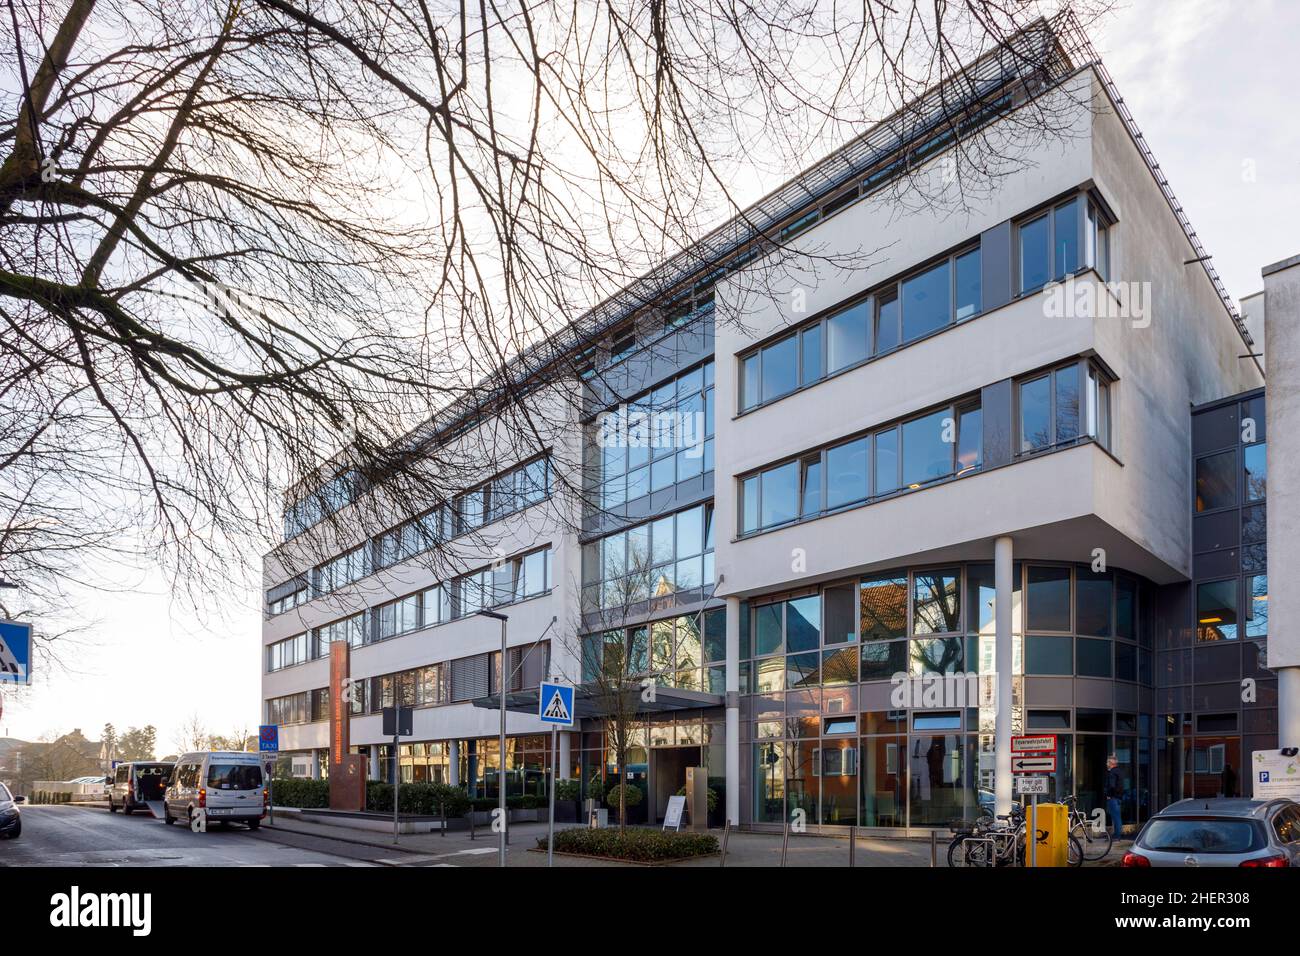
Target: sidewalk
x=743, y=849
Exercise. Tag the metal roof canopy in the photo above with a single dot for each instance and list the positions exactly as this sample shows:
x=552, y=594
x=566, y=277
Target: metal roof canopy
x=588, y=702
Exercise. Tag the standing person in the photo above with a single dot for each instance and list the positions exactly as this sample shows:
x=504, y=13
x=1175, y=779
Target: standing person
x=1114, y=789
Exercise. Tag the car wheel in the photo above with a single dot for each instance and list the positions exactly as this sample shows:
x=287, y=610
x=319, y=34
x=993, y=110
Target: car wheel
x=254, y=824
x=167, y=817
x=18, y=831
x=111, y=808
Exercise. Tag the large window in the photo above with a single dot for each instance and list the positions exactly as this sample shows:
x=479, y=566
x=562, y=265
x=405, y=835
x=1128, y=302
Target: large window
x=346, y=568
x=350, y=629
x=510, y=580
x=653, y=559
x=911, y=454
x=900, y=312
x=286, y=653
x=661, y=437
x=1060, y=406
x=504, y=495
x=1048, y=243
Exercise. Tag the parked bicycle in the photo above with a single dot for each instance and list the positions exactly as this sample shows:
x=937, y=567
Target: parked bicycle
x=1096, y=842
x=998, y=841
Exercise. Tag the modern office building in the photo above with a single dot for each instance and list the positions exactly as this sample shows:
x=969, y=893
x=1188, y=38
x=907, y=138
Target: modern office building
x=1021, y=437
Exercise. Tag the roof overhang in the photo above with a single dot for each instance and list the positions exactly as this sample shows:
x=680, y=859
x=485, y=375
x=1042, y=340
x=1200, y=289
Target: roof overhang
x=592, y=702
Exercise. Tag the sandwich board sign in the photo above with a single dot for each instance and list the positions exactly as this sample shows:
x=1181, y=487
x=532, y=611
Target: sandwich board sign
x=673, y=812
x=15, y=653
x=555, y=704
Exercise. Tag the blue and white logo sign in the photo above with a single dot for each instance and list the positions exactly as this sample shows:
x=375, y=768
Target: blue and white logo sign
x=15, y=653
x=555, y=704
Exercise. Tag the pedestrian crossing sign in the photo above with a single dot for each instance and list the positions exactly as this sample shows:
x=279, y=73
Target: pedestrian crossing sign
x=555, y=704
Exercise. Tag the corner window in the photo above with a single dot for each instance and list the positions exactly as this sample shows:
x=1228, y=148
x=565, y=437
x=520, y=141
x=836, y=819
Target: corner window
x=1049, y=246
x=1051, y=411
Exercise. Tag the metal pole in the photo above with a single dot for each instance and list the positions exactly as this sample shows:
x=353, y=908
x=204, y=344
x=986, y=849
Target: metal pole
x=853, y=846
x=397, y=776
x=270, y=795
x=726, y=835
x=501, y=757
x=934, y=848
x=1033, y=830
x=785, y=841
x=550, y=824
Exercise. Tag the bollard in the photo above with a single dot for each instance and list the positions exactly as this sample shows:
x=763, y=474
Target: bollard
x=853, y=847
x=470, y=817
x=442, y=812
x=726, y=832
x=934, y=848
x=785, y=842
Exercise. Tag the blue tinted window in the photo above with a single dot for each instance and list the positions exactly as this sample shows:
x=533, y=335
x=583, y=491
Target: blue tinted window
x=812, y=354
x=886, y=461
x=780, y=495
x=812, y=487
x=1256, y=478
x=780, y=368
x=846, y=473
x=1035, y=255
x=927, y=303
x=1067, y=403
x=927, y=448
x=1065, y=239
x=749, y=382
x=1036, y=414
x=887, y=330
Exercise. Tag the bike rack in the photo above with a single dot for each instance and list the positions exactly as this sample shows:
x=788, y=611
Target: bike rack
x=990, y=858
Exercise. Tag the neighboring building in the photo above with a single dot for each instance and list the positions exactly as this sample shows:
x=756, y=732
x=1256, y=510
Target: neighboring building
x=941, y=462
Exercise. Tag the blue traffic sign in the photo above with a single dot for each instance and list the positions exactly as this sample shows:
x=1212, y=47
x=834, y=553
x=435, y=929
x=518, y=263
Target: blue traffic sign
x=555, y=704
x=15, y=653
x=268, y=738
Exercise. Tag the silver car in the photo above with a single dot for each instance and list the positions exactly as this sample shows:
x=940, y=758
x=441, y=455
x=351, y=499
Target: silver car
x=1220, y=832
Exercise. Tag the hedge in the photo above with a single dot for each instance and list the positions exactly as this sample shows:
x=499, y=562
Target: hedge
x=293, y=792
x=428, y=799
x=525, y=802
x=634, y=845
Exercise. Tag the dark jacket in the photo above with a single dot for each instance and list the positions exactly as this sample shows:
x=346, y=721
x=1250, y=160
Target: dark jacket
x=1114, y=784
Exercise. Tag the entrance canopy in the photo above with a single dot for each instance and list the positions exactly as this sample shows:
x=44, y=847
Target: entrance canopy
x=592, y=701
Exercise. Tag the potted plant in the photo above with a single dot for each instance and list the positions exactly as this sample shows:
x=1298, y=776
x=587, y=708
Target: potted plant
x=567, y=795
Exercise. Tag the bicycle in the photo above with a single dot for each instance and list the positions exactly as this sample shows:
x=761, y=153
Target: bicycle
x=1094, y=843
x=999, y=841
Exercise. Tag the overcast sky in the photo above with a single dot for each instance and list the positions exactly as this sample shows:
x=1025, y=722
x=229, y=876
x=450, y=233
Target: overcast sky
x=1211, y=84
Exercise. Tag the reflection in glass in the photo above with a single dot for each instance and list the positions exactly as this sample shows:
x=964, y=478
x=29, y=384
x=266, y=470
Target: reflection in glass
x=1216, y=611
x=936, y=608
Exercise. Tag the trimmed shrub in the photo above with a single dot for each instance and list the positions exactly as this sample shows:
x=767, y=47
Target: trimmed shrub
x=308, y=794
x=712, y=798
x=635, y=845
x=568, y=790
x=634, y=796
x=596, y=788
x=526, y=802
x=425, y=799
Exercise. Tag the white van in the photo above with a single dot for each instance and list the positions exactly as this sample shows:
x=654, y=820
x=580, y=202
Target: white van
x=225, y=784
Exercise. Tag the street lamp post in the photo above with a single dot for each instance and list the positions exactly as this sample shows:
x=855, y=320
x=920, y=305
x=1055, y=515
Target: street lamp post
x=501, y=755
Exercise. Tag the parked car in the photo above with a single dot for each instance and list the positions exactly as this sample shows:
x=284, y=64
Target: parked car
x=227, y=785
x=11, y=821
x=138, y=783
x=1220, y=832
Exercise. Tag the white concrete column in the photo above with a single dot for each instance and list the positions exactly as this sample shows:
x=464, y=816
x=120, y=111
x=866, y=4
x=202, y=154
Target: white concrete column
x=1288, y=706
x=1002, y=579
x=374, y=761
x=733, y=711
x=453, y=761
x=315, y=765
x=566, y=755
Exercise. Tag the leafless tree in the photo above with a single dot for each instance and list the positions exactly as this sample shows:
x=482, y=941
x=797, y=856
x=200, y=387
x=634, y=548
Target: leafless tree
x=193, y=735
x=262, y=244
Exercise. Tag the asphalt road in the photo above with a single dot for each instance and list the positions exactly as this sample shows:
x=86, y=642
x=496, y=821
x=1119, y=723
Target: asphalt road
x=90, y=836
